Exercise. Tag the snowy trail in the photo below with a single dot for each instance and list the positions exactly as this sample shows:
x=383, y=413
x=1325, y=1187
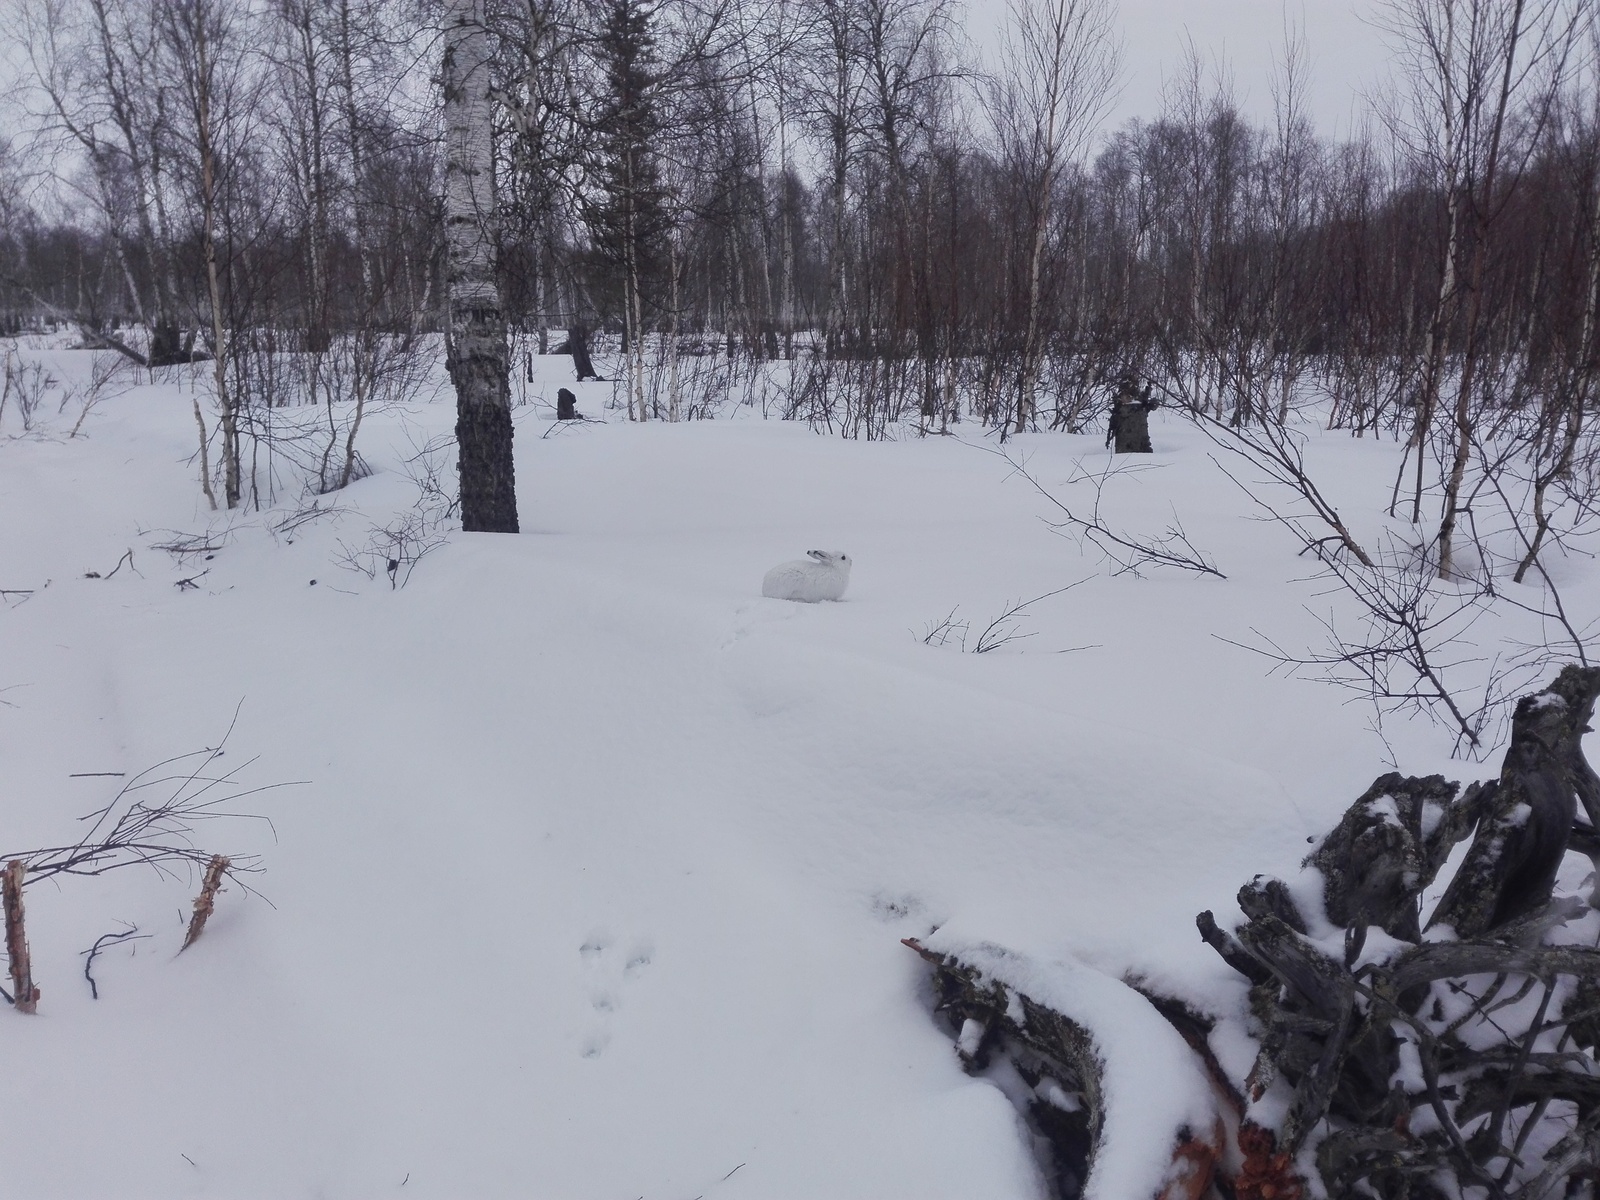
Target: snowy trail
x=596, y=886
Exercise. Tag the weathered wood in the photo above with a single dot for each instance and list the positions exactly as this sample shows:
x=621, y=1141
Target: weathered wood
x=1063, y=1050
x=206, y=902
x=1228, y=947
x=1048, y=1047
x=1378, y=858
x=1453, y=960
x=1523, y=832
x=24, y=995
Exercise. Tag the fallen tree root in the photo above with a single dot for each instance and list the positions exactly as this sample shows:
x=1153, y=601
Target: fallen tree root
x=1450, y=1056
x=1404, y=1054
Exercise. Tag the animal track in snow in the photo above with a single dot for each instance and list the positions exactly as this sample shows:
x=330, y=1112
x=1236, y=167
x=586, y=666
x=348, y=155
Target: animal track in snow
x=607, y=969
x=889, y=906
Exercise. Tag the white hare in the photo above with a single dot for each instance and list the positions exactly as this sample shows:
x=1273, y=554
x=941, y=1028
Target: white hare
x=821, y=575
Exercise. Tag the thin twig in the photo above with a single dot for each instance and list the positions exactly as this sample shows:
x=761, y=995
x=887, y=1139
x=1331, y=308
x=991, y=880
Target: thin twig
x=129, y=934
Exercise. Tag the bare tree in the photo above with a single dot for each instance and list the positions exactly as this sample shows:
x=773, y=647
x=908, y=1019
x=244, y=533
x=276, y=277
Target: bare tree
x=199, y=38
x=1471, y=66
x=1060, y=69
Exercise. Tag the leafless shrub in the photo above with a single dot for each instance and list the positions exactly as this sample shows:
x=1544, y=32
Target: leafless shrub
x=107, y=380
x=153, y=819
x=1407, y=645
x=395, y=549
x=429, y=467
x=182, y=545
x=30, y=382
x=859, y=398
x=291, y=523
x=1278, y=451
x=1076, y=381
x=373, y=372
x=683, y=382
x=1125, y=552
x=940, y=632
x=1004, y=629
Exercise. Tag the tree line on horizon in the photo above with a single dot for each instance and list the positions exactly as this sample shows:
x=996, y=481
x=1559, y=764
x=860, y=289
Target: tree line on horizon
x=828, y=181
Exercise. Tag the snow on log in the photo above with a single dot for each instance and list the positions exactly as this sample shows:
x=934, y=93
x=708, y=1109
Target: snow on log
x=1126, y=1104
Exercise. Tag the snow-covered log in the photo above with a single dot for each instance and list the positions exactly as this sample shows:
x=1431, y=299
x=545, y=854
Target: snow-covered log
x=1124, y=1101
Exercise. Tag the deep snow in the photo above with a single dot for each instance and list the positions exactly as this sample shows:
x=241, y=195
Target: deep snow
x=596, y=883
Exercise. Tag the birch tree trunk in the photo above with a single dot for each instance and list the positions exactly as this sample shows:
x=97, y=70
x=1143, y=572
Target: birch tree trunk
x=364, y=359
x=1483, y=214
x=201, y=25
x=478, y=358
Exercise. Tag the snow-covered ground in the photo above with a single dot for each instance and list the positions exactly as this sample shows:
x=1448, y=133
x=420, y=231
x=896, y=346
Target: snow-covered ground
x=595, y=884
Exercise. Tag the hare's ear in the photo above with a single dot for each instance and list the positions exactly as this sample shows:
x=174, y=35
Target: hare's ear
x=819, y=555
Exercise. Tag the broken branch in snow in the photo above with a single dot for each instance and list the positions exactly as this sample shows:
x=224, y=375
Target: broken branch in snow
x=315, y=511
x=116, y=938
x=206, y=901
x=127, y=557
x=24, y=996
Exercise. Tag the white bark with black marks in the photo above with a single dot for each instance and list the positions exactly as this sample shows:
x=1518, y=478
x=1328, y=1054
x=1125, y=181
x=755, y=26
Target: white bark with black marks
x=479, y=359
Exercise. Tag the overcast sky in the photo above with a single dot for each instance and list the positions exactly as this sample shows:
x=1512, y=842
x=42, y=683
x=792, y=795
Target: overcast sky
x=1347, y=53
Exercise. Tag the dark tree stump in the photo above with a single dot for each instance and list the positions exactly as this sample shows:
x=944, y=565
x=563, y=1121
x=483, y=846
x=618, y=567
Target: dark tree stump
x=166, y=346
x=567, y=406
x=577, y=345
x=1129, y=429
